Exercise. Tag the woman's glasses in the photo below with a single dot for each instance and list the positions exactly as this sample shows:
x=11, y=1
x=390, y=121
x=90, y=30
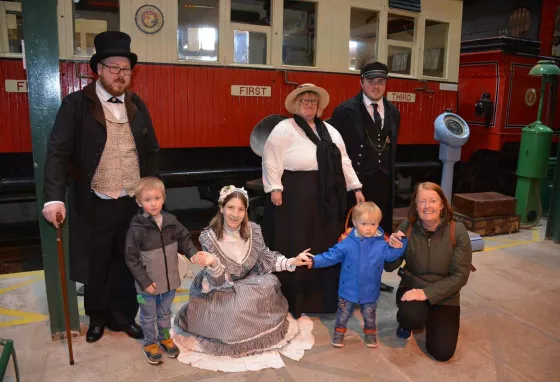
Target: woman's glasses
x=308, y=102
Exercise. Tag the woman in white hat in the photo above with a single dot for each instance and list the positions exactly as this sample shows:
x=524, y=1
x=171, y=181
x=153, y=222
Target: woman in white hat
x=307, y=173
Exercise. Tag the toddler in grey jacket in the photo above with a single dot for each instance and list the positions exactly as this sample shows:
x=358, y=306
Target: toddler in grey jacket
x=153, y=240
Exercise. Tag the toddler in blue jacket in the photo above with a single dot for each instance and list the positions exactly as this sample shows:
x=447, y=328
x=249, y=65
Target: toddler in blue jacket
x=362, y=255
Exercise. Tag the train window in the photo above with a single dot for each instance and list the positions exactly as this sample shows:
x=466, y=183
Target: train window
x=11, y=23
x=364, y=31
x=399, y=59
x=519, y=22
x=256, y=12
x=400, y=28
x=250, y=47
x=91, y=18
x=400, y=40
x=435, y=48
x=298, y=46
x=197, y=35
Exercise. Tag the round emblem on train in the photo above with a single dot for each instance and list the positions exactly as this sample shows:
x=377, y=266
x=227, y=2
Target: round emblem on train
x=530, y=97
x=149, y=19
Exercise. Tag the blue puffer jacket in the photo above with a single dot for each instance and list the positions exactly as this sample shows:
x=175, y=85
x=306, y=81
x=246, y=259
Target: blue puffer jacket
x=362, y=261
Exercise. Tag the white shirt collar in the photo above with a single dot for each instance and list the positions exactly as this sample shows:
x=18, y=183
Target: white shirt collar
x=368, y=102
x=104, y=95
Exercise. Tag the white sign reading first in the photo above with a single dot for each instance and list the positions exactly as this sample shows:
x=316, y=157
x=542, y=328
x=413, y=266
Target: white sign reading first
x=251, y=91
x=401, y=97
x=15, y=86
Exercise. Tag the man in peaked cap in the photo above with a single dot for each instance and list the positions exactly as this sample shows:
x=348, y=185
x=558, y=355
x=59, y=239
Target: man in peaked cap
x=369, y=125
x=101, y=144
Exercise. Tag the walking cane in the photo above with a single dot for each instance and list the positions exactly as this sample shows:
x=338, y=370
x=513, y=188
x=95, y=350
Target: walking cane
x=64, y=288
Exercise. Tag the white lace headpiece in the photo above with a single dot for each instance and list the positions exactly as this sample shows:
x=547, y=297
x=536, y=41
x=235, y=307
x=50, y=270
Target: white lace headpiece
x=228, y=190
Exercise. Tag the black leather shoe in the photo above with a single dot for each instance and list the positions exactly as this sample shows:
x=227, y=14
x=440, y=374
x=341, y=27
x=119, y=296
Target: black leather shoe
x=133, y=330
x=94, y=333
x=386, y=288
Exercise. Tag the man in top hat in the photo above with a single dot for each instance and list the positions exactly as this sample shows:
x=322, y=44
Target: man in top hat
x=102, y=143
x=369, y=125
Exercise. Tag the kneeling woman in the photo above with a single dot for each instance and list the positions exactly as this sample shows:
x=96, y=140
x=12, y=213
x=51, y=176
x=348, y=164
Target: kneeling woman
x=438, y=258
x=236, y=307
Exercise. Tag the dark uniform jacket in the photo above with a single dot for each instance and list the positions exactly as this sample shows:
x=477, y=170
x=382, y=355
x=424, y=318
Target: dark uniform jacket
x=73, y=153
x=347, y=118
x=433, y=264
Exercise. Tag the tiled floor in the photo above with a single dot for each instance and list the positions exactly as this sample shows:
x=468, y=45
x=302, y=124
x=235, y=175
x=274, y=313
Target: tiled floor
x=510, y=331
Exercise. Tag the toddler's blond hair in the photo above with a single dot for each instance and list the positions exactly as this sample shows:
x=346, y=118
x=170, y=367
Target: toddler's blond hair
x=148, y=183
x=369, y=208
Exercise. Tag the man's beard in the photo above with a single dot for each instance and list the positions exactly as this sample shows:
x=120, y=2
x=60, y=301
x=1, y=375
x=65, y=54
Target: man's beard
x=108, y=86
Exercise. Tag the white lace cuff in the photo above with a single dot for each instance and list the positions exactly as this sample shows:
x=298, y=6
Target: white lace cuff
x=284, y=264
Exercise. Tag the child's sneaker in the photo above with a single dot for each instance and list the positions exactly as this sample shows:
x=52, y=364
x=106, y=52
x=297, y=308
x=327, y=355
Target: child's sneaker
x=152, y=354
x=403, y=334
x=169, y=347
x=338, y=340
x=370, y=340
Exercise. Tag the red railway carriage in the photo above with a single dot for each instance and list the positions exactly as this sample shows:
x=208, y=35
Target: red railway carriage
x=201, y=64
x=497, y=53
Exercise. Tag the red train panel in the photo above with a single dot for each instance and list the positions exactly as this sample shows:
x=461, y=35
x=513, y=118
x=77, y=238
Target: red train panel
x=15, y=134
x=192, y=106
x=506, y=77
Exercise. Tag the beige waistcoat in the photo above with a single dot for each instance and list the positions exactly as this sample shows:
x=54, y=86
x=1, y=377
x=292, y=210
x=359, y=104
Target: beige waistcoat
x=118, y=168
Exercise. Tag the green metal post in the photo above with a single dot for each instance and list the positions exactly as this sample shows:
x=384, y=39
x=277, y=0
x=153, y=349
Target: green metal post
x=43, y=76
x=553, y=224
x=7, y=352
x=534, y=150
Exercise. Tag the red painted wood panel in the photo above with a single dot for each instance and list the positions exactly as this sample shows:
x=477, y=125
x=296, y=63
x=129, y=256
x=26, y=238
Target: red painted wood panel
x=508, y=73
x=518, y=112
x=15, y=134
x=476, y=78
x=191, y=106
x=546, y=31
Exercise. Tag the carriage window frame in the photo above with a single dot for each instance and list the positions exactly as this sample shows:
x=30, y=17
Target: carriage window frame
x=413, y=46
x=318, y=39
x=219, y=39
x=72, y=43
x=446, y=55
x=267, y=30
x=381, y=20
x=7, y=6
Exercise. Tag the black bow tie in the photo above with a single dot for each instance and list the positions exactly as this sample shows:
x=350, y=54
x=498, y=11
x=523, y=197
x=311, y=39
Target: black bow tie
x=114, y=100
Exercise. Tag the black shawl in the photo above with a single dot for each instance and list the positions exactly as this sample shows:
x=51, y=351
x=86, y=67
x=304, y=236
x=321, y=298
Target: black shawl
x=332, y=185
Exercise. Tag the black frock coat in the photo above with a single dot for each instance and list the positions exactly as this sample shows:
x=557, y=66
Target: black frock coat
x=74, y=150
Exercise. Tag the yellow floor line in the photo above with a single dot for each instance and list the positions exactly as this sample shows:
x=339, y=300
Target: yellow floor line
x=536, y=235
x=24, y=317
x=21, y=284
x=180, y=298
x=499, y=238
x=516, y=244
x=21, y=274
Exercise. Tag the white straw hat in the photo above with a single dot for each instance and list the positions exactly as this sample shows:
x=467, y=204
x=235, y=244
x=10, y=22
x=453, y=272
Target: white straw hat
x=293, y=108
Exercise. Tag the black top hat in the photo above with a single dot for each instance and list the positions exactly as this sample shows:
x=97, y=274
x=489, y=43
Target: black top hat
x=374, y=70
x=112, y=44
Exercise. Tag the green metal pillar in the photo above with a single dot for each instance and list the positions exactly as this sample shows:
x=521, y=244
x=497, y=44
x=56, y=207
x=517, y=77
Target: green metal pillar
x=43, y=76
x=532, y=165
x=553, y=224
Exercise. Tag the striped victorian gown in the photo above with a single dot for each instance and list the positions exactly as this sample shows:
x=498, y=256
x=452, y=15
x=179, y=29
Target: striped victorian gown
x=237, y=308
